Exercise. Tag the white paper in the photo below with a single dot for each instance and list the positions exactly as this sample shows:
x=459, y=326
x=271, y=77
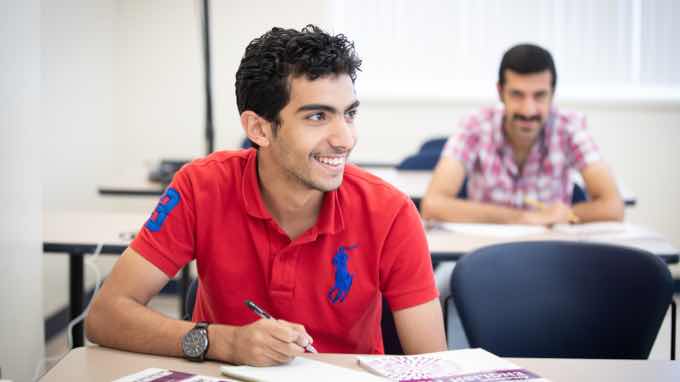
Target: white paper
x=300, y=369
x=495, y=230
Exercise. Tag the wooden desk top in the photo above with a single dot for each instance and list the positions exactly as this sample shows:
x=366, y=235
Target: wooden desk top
x=102, y=364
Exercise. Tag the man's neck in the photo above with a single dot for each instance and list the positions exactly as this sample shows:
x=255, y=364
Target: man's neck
x=294, y=206
x=520, y=151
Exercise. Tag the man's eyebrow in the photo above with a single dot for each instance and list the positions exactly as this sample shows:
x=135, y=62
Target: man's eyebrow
x=330, y=109
x=316, y=106
x=354, y=105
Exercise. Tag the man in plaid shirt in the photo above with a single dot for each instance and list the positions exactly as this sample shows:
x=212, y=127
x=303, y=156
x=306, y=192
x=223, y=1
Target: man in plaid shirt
x=519, y=158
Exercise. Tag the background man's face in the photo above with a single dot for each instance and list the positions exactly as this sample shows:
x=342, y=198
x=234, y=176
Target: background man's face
x=527, y=99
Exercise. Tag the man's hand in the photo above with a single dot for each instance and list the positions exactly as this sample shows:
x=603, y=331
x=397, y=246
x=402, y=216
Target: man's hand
x=265, y=342
x=550, y=214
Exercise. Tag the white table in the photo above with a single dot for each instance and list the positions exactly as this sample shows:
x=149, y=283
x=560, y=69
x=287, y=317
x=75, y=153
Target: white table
x=97, y=364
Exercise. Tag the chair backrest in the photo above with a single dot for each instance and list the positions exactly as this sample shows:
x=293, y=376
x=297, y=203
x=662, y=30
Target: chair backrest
x=422, y=161
x=391, y=342
x=246, y=143
x=562, y=299
x=434, y=145
x=390, y=338
x=190, y=299
x=578, y=194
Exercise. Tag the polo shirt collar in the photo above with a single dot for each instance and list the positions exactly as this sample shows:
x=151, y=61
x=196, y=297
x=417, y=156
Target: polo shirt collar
x=330, y=220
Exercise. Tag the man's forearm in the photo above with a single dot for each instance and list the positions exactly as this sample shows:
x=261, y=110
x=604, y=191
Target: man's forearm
x=125, y=324
x=600, y=210
x=465, y=211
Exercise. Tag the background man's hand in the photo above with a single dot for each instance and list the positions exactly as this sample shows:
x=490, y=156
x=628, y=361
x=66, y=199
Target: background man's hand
x=550, y=214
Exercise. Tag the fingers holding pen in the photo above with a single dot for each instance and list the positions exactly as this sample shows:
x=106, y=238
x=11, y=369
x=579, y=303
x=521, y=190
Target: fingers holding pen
x=266, y=342
x=303, y=338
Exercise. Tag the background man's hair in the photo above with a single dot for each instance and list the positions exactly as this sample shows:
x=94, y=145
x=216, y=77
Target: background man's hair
x=527, y=59
x=262, y=79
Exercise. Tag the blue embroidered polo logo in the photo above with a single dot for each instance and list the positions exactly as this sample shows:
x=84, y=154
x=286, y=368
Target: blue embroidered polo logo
x=169, y=200
x=343, y=279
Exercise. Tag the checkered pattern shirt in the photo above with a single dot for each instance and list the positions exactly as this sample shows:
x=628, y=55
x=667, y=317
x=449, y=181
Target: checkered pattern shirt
x=493, y=176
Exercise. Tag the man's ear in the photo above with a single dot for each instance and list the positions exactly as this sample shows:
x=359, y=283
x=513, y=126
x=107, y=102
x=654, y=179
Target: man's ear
x=257, y=129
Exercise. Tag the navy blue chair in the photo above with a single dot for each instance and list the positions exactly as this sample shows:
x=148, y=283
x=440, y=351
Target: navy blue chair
x=433, y=145
x=190, y=300
x=578, y=194
x=389, y=331
x=246, y=143
x=422, y=161
x=563, y=300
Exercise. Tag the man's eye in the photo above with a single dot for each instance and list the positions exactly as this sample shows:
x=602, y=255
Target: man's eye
x=351, y=114
x=317, y=117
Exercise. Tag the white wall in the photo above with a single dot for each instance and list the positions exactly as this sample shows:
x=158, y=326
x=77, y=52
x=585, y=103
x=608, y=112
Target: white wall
x=21, y=325
x=77, y=95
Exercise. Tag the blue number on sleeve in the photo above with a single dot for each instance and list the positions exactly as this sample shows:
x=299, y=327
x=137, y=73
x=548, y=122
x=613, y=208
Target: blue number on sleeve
x=169, y=200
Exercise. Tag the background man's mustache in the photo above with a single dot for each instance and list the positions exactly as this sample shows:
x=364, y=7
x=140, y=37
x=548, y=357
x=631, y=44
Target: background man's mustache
x=520, y=117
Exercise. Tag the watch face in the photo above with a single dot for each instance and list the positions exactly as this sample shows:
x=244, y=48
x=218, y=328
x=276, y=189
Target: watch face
x=194, y=343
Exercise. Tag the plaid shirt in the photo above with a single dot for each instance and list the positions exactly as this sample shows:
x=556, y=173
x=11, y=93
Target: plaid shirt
x=493, y=176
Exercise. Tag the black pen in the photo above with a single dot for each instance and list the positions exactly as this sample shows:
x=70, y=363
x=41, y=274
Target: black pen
x=263, y=314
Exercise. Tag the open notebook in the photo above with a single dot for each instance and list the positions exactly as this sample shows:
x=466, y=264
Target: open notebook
x=300, y=369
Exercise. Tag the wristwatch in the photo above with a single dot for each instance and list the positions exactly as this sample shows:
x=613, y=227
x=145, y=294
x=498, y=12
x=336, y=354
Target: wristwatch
x=195, y=342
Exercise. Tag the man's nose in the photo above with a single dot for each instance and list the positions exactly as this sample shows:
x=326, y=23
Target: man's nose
x=342, y=134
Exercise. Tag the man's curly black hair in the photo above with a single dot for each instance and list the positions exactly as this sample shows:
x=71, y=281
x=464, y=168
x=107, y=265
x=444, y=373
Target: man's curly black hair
x=262, y=79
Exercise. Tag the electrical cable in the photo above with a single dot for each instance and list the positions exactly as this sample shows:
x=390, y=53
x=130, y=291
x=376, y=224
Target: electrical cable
x=90, y=262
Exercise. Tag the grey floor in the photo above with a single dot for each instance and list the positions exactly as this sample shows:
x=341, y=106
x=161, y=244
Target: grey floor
x=169, y=305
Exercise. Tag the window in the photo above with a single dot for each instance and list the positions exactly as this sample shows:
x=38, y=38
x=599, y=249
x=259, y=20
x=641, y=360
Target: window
x=454, y=47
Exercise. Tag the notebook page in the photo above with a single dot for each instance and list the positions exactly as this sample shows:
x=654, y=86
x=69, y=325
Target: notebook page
x=299, y=369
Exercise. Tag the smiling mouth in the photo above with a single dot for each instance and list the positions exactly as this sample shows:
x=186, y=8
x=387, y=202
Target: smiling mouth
x=330, y=161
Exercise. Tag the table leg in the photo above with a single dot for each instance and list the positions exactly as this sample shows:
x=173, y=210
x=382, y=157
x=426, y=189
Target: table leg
x=76, y=286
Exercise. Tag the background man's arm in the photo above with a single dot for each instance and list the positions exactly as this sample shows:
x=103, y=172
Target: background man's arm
x=119, y=318
x=440, y=201
x=605, y=202
x=421, y=328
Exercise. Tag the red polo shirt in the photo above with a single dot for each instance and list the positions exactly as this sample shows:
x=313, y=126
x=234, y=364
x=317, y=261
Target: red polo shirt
x=368, y=242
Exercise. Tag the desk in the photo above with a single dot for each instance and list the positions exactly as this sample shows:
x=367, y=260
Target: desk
x=95, y=364
x=412, y=183
x=446, y=245
x=78, y=234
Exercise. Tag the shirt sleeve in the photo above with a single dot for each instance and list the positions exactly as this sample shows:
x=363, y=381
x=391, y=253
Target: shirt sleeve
x=464, y=142
x=167, y=238
x=406, y=277
x=582, y=149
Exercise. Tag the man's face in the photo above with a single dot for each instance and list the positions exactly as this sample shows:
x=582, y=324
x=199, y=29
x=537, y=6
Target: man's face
x=527, y=99
x=317, y=131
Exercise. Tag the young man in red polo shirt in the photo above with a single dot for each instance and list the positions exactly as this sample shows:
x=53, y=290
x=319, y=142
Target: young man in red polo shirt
x=290, y=225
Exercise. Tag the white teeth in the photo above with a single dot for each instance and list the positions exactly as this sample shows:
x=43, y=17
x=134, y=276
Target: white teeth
x=331, y=161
